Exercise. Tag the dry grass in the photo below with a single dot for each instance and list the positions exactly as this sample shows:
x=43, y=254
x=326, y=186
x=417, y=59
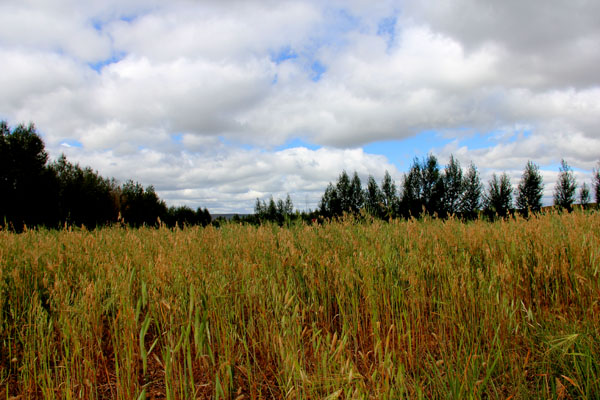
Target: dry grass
x=407, y=309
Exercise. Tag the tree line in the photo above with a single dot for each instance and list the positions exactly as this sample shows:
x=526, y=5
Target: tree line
x=427, y=189
x=36, y=192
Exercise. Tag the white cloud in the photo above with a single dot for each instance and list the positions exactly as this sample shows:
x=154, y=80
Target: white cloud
x=188, y=84
x=216, y=30
x=231, y=180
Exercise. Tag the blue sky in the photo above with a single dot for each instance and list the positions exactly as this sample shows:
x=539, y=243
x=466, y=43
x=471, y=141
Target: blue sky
x=218, y=103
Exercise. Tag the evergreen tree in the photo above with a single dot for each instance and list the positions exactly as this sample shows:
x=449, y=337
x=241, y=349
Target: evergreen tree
x=584, y=195
x=204, y=217
x=288, y=208
x=596, y=184
x=260, y=208
x=432, y=186
x=453, y=187
x=423, y=188
x=564, y=191
x=344, y=192
x=412, y=203
x=530, y=189
x=345, y=196
x=35, y=193
x=84, y=197
x=470, y=202
x=498, y=200
x=356, y=200
x=181, y=216
x=330, y=205
x=141, y=206
x=272, y=210
x=280, y=212
x=374, y=198
x=389, y=196
x=27, y=187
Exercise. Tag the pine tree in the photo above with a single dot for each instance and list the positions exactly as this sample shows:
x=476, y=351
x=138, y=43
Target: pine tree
x=412, y=203
x=453, y=186
x=204, y=216
x=530, y=189
x=288, y=206
x=564, y=191
x=584, y=195
x=596, y=184
x=498, y=200
x=390, y=196
x=356, y=199
x=260, y=208
x=432, y=186
x=330, y=205
x=84, y=197
x=470, y=203
x=272, y=210
x=27, y=186
x=141, y=206
x=344, y=192
x=373, y=198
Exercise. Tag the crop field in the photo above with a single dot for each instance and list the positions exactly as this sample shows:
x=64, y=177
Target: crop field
x=405, y=309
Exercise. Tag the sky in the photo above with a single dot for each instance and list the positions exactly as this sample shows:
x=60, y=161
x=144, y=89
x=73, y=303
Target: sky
x=218, y=102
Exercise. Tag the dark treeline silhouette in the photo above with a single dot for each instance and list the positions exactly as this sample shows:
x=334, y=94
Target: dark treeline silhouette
x=427, y=189
x=278, y=211
x=34, y=192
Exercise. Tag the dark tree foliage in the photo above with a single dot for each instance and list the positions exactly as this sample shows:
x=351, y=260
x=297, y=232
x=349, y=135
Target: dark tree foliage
x=374, y=199
x=564, y=191
x=345, y=197
x=584, y=195
x=596, y=184
x=530, y=189
x=272, y=210
x=344, y=191
x=34, y=193
x=204, y=216
x=84, y=197
x=185, y=216
x=423, y=188
x=259, y=207
x=453, y=187
x=26, y=185
x=498, y=200
x=433, y=186
x=411, y=203
x=288, y=206
x=141, y=206
x=180, y=216
x=391, y=201
x=470, y=202
x=278, y=211
x=356, y=195
x=330, y=204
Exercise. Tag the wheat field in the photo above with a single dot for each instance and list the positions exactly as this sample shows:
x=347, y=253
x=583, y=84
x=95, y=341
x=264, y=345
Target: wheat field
x=349, y=309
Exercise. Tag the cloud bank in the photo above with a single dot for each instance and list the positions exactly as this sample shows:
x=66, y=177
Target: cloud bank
x=216, y=103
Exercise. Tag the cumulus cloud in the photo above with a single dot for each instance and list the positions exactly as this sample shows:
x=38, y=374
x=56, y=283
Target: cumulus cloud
x=199, y=98
x=554, y=44
x=231, y=180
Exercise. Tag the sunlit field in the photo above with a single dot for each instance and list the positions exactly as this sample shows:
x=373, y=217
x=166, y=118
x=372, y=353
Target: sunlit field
x=406, y=309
